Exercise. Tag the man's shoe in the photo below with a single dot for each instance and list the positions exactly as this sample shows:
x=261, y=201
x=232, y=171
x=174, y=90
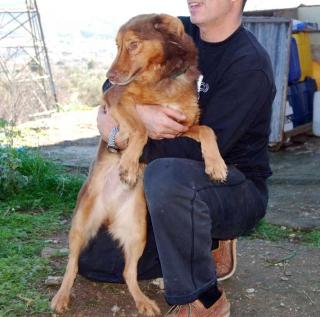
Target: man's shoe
x=220, y=308
x=225, y=258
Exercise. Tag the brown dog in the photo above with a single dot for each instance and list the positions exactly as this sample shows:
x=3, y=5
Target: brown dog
x=156, y=64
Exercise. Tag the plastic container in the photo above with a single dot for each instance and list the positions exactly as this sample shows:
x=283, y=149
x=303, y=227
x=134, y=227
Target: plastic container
x=316, y=114
x=294, y=66
x=316, y=72
x=305, y=55
x=300, y=97
x=298, y=26
x=297, y=104
x=309, y=91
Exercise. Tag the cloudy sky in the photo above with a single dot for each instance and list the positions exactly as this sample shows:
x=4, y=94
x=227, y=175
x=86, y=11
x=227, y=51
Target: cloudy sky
x=68, y=18
x=68, y=14
x=123, y=9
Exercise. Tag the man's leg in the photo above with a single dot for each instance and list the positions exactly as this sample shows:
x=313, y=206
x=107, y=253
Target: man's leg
x=187, y=211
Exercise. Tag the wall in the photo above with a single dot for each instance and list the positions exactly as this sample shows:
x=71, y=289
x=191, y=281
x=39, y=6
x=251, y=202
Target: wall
x=312, y=14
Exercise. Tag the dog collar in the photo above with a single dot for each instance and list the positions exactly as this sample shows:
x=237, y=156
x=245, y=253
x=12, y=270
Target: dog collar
x=175, y=76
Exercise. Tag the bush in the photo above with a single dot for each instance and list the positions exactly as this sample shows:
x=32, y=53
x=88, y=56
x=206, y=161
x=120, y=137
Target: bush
x=11, y=178
x=26, y=173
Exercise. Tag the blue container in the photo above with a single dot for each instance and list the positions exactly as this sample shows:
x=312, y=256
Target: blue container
x=294, y=65
x=300, y=97
x=311, y=88
x=301, y=26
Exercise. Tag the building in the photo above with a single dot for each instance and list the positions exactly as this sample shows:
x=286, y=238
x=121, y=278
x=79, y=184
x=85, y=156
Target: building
x=301, y=12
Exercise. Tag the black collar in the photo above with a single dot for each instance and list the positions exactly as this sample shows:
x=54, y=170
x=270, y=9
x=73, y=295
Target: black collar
x=181, y=72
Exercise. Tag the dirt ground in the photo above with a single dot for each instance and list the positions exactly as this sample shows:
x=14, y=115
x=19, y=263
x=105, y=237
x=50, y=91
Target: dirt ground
x=272, y=280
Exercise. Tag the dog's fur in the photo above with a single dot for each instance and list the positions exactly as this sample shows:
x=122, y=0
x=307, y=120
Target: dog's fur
x=156, y=64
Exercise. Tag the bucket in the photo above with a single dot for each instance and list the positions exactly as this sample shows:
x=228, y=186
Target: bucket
x=316, y=114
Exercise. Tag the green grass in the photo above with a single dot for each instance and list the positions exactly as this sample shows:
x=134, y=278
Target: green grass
x=35, y=195
x=267, y=231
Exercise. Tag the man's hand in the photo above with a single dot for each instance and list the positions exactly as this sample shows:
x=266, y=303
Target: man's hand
x=161, y=122
x=105, y=123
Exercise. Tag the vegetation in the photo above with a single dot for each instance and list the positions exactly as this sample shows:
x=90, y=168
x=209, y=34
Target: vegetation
x=35, y=196
x=267, y=231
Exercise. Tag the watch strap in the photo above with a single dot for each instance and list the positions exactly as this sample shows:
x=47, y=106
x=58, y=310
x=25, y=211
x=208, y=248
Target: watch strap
x=111, y=146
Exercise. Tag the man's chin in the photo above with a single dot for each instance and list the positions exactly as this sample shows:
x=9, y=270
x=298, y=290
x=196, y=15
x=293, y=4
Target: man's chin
x=195, y=20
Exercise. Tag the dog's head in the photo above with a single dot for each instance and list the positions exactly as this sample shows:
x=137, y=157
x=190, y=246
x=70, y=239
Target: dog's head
x=151, y=43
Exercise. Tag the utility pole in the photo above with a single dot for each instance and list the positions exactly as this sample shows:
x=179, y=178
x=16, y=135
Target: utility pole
x=26, y=81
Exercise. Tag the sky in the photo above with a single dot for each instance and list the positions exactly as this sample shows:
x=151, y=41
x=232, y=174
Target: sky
x=68, y=14
x=65, y=19
x=121, y=10
x=65, y=14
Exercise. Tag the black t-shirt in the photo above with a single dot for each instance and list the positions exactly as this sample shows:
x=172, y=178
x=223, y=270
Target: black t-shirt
x=235, y=96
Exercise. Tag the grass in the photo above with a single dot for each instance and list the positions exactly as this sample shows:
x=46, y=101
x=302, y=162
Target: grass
x=35, y=196
x=267, y=231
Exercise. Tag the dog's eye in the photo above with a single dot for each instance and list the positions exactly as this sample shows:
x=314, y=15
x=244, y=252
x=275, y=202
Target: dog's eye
x=133, y=46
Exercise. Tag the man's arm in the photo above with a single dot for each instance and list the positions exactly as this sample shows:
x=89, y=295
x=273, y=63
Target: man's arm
x=232, y=108
x=161, y=123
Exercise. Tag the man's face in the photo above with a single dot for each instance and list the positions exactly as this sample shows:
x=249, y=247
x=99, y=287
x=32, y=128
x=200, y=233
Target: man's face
x=204, y=12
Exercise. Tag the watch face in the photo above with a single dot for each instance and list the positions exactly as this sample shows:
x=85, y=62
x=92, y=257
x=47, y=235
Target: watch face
x=112, y=149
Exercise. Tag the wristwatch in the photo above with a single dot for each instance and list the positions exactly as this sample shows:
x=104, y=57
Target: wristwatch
x=111, y=146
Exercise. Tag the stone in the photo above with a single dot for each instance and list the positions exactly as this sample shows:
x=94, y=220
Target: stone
x=53, y=280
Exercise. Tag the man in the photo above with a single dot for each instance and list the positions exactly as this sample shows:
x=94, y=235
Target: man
x=187, y=210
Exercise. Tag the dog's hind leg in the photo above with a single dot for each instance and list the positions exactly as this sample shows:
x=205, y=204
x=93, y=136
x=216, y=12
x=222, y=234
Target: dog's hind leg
x=82, y=229
x=130, y=230
x=214, y=163
x=133, y=250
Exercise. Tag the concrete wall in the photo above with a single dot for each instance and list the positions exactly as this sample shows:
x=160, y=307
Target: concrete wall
x=312, y=14
x=309, y=14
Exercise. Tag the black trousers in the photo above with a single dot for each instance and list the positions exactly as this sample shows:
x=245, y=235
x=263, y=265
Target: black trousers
x=187, y=211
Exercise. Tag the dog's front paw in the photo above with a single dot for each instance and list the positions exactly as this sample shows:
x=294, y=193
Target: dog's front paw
x=60, y=302
x=128, y=172
x=217, y=170
x=148, y=307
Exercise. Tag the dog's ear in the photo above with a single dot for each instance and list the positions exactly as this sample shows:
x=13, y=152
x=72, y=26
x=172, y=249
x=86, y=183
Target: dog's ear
x=169, y=24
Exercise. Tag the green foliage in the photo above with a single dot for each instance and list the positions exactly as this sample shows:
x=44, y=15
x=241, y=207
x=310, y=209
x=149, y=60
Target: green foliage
x=268, y=231
x=313, y=238
x=11, y=178
x=29, y=213
x=27, y=175
x=8, y=133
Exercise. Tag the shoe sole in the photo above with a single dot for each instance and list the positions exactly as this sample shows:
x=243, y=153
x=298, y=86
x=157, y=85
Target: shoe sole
x=234, y=256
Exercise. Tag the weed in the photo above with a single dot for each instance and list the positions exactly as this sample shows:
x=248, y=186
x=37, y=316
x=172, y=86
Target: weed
x=267, y=231
x=29, y=213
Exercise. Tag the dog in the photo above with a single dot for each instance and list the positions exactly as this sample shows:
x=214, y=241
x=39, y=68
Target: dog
x=156, y=63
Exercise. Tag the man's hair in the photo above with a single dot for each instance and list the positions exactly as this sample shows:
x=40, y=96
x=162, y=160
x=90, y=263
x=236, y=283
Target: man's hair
x=243, y=4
